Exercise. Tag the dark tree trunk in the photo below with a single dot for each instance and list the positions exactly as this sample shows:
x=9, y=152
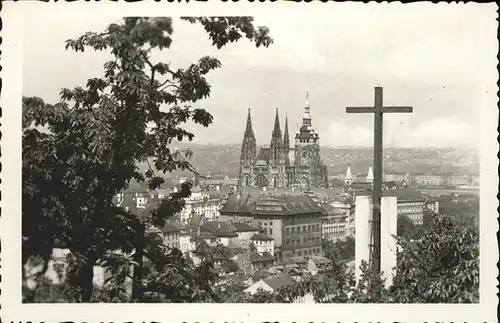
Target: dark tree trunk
x=82, y=277
x=86, y=282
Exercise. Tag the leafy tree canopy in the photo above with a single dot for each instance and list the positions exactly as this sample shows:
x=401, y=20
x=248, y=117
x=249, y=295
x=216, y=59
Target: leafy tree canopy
x=99, y=132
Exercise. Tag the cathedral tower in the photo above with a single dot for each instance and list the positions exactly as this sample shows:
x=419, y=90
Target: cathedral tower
x=286, y=143
x=276, y=158
x=307, y=141
x=248, y=153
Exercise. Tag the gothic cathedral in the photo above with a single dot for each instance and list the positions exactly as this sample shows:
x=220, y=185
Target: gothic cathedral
x=280, y=165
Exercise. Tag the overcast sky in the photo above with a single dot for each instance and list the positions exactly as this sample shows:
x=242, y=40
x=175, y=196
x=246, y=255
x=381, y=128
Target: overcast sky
x=438, y=58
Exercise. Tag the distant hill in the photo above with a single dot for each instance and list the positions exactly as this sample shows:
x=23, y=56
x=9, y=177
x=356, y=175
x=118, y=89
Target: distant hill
x=224, y=159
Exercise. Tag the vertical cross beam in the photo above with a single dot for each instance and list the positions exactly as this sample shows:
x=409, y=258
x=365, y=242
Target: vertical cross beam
x=378, y=110
x=377, y=180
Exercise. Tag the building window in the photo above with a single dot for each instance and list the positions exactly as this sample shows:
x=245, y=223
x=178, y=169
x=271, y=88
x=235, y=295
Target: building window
x=287, y=231
x=270, y=231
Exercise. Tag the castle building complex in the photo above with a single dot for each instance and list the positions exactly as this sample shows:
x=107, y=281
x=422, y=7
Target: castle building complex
x=281, y=165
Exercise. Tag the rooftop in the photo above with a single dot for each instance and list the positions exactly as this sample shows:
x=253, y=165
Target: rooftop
x=171, y=227
x=285, y=204
x=243, y=227
x=220, y=229
x=280, y=281
x=261, y=237
x=256, y=257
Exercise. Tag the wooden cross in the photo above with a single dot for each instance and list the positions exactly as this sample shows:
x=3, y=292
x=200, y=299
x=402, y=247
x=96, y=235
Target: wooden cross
x=378, y=112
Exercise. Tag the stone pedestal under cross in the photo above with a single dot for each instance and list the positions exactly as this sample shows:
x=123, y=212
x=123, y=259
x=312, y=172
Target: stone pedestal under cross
x=378, y=110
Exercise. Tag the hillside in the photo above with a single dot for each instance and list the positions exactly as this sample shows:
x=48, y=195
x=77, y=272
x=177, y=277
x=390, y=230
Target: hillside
x=224, y=159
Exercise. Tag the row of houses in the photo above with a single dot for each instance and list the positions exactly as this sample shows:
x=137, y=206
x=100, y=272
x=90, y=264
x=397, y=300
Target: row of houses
x=417, y=179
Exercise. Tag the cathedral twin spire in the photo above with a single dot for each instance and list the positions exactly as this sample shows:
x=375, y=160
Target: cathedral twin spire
x=249, y=146
x=249, y=129
x=280, y=142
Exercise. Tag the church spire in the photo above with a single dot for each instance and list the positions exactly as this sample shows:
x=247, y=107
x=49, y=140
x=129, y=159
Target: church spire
x=306, y=119
x=277, y=130
x=348, y=176
x=369, y=176
x=277, y=143
x=248, y=147
x=249, y=129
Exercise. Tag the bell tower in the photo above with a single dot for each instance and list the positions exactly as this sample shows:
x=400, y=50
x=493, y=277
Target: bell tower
x=307, y=140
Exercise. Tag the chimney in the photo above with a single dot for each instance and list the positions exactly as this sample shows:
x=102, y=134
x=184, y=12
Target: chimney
x=217, y=187
x=218, y=225
x=175, y=189
x=198, y=230
x=264, y=188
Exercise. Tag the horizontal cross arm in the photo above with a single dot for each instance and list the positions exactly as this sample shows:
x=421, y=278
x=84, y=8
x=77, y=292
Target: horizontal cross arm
x=359, y=109
x=397, y=109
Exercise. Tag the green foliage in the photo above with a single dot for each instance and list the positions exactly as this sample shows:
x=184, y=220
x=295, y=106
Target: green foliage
x=405, y=227
x=98, y=133
x=370, y=287
x=464, y=209
x=341, y=249
x=441, y=267
x=229, y=266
